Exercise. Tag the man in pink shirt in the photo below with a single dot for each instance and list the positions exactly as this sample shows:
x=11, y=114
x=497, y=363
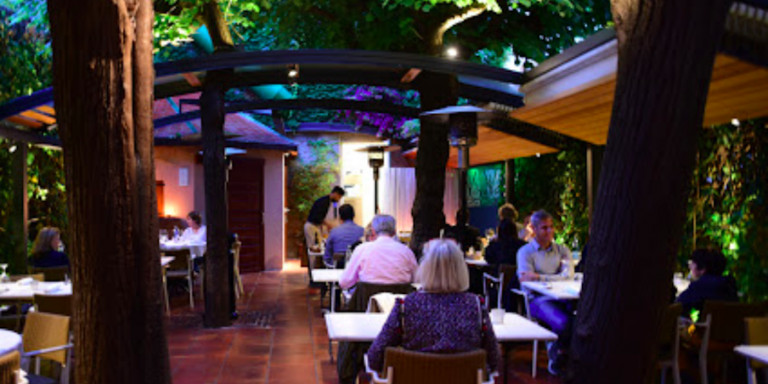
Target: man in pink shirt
x=382, y=261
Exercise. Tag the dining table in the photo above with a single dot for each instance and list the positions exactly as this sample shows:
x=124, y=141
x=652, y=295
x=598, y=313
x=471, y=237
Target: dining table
x=196, y=249
x=753, y=352
x=25, y=289
x=9, y=341
x=571, y=289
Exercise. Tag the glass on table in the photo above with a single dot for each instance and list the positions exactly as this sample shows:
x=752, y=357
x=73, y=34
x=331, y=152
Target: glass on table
x=4, y=275
x=163, y=235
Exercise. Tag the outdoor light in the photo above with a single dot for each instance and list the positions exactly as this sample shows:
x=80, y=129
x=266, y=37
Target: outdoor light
x=538, y=154
x=735, y=122
x=376, y=161
x=462, y=125
x=452, y=52
x=12, y=149
x=293, y=73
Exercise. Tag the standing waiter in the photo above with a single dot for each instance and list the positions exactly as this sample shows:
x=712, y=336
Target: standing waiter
x=323, y=216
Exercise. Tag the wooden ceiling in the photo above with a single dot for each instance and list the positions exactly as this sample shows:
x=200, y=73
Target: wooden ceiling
x=494, y=146
x=737, y=90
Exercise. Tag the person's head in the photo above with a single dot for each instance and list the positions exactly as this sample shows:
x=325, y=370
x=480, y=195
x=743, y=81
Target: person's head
x=706, y=262
x=368, y=234
x=443, y=268
x=543, y=229
x=384, y=225
x=48, y=239
x=337, y=193
x=507, y=212
x=462, y=216
x=346, y=212
x=194, y=220
x=507, y=230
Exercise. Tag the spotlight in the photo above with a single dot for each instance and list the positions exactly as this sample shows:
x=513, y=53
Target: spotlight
x=538, y=154
x=293, y=73
x=452, y=52
x=735, y=122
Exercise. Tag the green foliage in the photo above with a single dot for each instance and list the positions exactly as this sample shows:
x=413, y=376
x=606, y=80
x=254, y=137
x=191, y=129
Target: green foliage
x=572, y=181
x=729, y=203
x=25, y=50
x=310, y=177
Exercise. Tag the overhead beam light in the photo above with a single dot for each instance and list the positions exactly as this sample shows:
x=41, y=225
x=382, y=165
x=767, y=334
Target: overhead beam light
x=735, y=122
x=452, y=52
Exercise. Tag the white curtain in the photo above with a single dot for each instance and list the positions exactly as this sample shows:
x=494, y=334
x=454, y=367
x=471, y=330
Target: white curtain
x=398, y=187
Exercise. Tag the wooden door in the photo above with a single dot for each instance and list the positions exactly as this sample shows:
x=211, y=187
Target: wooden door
x=245, y=197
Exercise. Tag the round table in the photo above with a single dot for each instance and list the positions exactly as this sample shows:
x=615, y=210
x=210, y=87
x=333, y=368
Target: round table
x=9, y=341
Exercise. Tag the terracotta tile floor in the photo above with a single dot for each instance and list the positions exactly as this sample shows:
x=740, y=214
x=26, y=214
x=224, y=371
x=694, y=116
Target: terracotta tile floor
x=292, y=349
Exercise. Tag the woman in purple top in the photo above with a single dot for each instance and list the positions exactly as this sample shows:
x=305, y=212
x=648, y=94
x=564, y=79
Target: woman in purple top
x=441, y=317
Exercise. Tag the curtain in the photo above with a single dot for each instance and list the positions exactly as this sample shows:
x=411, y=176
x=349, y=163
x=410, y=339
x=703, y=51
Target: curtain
x=398, y=187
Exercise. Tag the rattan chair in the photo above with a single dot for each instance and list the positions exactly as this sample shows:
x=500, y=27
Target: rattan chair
x=238, y=281
x=51, y=273
x=56, y=304
x=182, y=267
x=410, y=367
x=9, y=367
x=46, y=336
x=756, y=333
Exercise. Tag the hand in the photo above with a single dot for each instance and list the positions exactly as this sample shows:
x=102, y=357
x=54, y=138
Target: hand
x=529, y=276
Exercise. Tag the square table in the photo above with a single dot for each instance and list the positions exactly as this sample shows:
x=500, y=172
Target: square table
x=571, y=289
x=753, y=352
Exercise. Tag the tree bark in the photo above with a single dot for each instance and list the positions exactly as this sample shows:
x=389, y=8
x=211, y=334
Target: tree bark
x=666, y=54
x=212, y=115
x=103, y=77
x=436, y=91
x=19, y=229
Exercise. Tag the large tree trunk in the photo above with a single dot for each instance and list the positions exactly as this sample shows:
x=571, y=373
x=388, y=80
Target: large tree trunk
x=19, y=217
x=436, y=91
x=666, y=54
x=217, y=288
x=103, y=78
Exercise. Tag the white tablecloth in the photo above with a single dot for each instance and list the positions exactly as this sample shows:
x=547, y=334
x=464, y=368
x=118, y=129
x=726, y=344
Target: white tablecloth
x=26, y=289
x=195, y=249
x=9, y=342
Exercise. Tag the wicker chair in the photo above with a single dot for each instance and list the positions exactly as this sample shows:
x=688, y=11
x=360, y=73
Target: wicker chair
x=56, y=304
x=410, y=367
x=46, y=336
x=9, y=367
x=756, y=334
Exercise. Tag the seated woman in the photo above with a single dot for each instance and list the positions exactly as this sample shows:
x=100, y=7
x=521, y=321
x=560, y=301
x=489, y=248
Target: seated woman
x=195, y=233
x=45, y=251
x=707, y=267
x=442, y=317
x=503, y=249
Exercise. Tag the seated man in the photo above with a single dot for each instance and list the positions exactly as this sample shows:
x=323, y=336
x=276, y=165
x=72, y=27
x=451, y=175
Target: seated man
x=467, y=236
x=544, y=260
x=707, y=267
x=342, y=236
x=384, y=260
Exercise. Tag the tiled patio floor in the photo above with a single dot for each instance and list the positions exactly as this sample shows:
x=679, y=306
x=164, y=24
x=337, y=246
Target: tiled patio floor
x=291, y=348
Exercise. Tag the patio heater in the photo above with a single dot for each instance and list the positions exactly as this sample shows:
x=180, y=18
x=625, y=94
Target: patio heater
x=376, y=161
x=462, y=124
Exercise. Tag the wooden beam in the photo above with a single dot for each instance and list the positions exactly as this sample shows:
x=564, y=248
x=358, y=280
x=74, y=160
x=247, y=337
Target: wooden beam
x=192, y=79
x=45, y=119
x=410, y=75
x=19, y=216
x=24, y=121
x=47, y=109
x=8, y=131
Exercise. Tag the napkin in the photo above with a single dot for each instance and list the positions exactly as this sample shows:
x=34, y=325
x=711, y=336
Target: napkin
x=25, y=281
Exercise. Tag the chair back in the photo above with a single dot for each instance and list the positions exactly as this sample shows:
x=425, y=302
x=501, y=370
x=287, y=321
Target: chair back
x=728, y=319
x=383, y=302
x=51, y=273
x=756, y=334
x=36, y=277
x=410, y=367
x=236, y=253
x=669, y=332
x=56, y=304
x=9, y=367
x=492, y=283
x=363, y=292
x=46, y=330
x=182, y=260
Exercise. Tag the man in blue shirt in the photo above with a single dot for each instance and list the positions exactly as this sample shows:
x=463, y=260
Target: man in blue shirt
x=342, y=236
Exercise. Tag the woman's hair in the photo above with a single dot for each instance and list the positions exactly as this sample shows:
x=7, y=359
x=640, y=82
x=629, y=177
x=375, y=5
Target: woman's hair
x=507, y=230
x=711, y=260
x=43, y=240
x=443, y=268
x=194, y=216
x=507, y=212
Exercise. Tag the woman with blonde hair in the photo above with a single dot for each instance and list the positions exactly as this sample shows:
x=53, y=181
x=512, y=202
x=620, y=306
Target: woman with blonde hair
x=441, y=317
x=46, y=252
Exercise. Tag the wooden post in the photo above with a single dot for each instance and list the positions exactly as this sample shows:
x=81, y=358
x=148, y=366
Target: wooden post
x=509, y=181
x=212, y=115
x=20, y=210
x=590, y=183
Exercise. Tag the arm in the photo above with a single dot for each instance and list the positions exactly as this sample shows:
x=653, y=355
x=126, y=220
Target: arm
x=526, y=270
x=390, y=335
x=566, y=263
x=351, y=273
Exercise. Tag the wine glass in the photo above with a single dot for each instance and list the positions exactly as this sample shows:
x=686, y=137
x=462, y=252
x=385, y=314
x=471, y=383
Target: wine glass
x=4, y=276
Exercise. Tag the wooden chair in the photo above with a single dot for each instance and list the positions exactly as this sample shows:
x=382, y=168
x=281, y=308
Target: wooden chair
x=238, y=281
x=46, y=336
x=9, y=367
x=669, y=342
x=56, y=304
x=756, y=333
x=409, y=367
x=721, y=330
x=36, y=277
x=182, y=267
x=52, y=273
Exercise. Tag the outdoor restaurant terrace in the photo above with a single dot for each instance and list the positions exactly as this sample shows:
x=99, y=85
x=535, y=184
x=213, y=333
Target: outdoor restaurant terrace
x=384, y=192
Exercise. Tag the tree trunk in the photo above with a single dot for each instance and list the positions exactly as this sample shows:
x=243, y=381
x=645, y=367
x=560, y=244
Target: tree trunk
x=103, y=78
x=212, y=115
x=666, y=54
x=436, y=91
